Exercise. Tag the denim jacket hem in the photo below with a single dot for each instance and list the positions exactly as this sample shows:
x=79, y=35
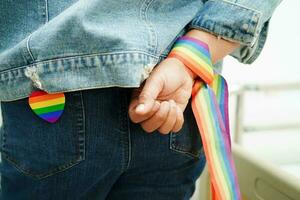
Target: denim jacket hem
x=71, y=74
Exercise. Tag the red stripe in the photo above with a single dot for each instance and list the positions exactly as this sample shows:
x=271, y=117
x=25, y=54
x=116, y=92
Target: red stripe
x=35, y=99
x=37, y=93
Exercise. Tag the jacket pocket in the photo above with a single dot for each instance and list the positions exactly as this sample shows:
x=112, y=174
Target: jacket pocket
x=188, y=140
x=40, y=149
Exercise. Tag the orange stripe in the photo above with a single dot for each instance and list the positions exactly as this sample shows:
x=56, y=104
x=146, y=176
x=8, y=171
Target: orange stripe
x=47, y=103
x=200, y=71
x=199, y=119
x=196, y=87
x=45, y=97
x=200, y=63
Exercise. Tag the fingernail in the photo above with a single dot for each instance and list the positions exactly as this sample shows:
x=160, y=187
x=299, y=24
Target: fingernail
x=140, y=108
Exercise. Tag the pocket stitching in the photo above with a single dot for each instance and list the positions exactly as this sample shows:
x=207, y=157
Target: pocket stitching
x=50, y=172
x=181, y=149
x=80, y=123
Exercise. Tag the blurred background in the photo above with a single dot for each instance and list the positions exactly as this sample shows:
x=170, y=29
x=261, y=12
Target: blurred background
x=265, y=113
x=270, y=106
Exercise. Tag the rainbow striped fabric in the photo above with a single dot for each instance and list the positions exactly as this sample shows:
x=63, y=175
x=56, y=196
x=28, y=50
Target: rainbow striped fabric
x=210, y=108
x=47, y=106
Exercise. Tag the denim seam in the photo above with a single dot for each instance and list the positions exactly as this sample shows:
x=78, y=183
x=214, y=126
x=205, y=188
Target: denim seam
x=152, y=33
x=123, y=117
x=261, y=43
x=46, y=11
x=129, y=137
x=236, y=4
x=3, y=136
x=81, y=129
x=84, y=88
x=28, y=47
x=255, y=14
x=39, y=176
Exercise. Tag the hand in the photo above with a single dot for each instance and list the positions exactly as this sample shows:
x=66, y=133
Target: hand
x=159, y=104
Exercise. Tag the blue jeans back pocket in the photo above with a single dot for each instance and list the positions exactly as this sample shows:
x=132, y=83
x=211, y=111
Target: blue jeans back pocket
x=40, y=149
x=188, y=140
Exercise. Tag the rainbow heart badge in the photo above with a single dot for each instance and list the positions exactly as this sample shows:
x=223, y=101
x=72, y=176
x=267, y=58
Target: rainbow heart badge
x=49, y=107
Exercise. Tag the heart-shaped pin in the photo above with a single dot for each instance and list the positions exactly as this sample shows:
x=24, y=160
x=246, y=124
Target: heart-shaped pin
x=49, y=107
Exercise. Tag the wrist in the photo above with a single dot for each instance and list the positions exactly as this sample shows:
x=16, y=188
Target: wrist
x=195, y=55
x=191, y=74
x=219, y=48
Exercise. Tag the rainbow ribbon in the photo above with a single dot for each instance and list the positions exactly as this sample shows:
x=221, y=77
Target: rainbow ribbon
x=210, y=108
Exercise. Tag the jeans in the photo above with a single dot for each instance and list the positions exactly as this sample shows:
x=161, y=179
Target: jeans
x=94, y=151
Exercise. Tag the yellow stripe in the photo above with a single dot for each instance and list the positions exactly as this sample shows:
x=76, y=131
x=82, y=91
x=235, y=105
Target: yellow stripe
x=201, y=62
x=213, y=144
x=48, y=103
x=214, y=84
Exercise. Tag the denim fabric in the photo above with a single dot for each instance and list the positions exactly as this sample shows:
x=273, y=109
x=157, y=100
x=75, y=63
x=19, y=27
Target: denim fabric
x=69, y=45
x=95, y=152
x=245, y=21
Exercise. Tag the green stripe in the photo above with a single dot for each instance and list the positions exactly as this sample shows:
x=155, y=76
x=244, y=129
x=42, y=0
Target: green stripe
x=49, y=109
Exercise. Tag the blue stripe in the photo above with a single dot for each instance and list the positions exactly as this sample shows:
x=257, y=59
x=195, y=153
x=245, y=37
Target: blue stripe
x=51, y=114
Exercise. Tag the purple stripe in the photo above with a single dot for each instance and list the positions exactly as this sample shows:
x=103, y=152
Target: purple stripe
x=52, y=120
x=225, y=106
x=197, y=47
x=195, y=40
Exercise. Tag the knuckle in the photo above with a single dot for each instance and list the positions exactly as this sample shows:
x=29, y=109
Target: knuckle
x=164, y=131
x=160, y=116
x=134, y=120
x=147, y=129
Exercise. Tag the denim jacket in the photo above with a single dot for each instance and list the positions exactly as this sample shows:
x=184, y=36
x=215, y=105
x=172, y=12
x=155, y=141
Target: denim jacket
x=68, y=45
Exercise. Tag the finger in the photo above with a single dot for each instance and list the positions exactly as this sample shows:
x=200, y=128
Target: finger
x=136, y=117
x=132, y=105
x=179, y=121
x=169, y=123
x=134, y=98
x=157, y=119
x=150, y=91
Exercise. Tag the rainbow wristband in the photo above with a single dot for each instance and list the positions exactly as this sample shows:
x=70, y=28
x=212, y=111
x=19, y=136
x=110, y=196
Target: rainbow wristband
x=210, y=108
x=195, y=55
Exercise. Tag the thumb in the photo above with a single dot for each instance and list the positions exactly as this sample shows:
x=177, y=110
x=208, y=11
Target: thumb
x=148, y=96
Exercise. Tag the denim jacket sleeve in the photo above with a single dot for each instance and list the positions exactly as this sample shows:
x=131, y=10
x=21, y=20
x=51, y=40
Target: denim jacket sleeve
x=243, y=21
